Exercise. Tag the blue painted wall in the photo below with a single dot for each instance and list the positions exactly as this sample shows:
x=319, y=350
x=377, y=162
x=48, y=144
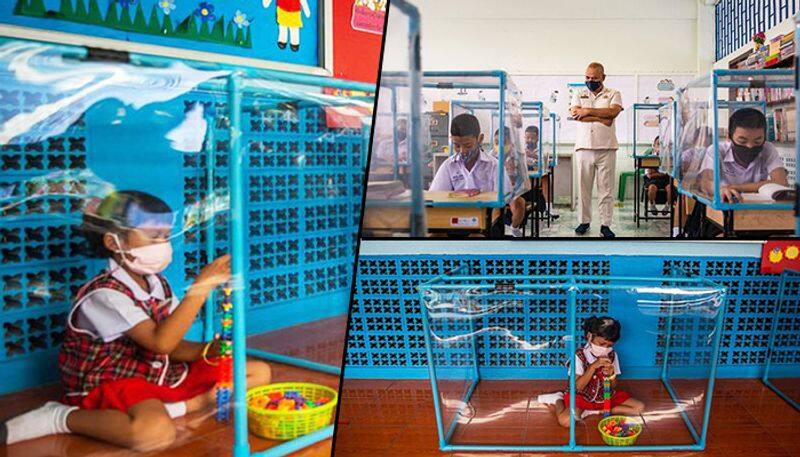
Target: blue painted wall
x=386, y=330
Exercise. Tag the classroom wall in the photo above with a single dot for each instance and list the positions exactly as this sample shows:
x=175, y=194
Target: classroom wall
x=355, y=54
x=544, y=37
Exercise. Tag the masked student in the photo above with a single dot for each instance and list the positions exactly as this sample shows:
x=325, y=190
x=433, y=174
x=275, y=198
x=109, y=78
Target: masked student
x=532, y=159
x=126, y=369
x=385, y=149
x=470, y=168
x=747, y=162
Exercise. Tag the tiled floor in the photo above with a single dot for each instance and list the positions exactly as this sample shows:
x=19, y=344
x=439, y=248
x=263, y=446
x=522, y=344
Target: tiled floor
x=199, y=435
x=396, y=417
x=623, y=224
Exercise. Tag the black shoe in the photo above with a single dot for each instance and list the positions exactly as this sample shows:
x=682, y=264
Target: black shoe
x=554, y=217
x=281, y=45
x=654, y=211
x=295, y=47
x=581, y=229
x=606, y=232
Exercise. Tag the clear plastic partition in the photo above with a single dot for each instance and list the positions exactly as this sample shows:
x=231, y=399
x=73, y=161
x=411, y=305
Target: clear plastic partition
x=646, y=130
x=550, y=141
x=124, y=169
x=667, y=137
x=501, y=351
x=489, y=96
x=400, y=155
x=535, y=120
x=711, y=166
x=782, y=371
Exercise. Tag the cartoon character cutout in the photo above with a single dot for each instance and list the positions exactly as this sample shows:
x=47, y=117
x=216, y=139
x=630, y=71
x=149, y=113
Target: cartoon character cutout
x=289, y=21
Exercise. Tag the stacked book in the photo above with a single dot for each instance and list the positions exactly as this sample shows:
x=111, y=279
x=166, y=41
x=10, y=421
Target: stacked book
x=783, y=125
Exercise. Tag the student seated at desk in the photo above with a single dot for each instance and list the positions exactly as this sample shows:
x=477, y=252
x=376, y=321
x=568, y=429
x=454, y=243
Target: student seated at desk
x=470, y=168
x=747, y=161
x=532, y=159
x=517, y=205
x=655, y=181
x=384, y=150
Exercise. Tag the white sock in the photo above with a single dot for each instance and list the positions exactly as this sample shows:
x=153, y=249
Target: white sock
x=176, y=410
x=49, y=419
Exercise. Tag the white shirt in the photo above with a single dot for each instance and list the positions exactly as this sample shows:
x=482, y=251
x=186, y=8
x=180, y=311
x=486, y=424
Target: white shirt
x=732, y=173
x=591, y=359
x=595, y=135
x=385, y=151
x=454, y=176
x=108, y=313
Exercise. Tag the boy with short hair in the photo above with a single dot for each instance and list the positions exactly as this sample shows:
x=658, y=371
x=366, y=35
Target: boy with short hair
x=747, y=161
x=470, y=167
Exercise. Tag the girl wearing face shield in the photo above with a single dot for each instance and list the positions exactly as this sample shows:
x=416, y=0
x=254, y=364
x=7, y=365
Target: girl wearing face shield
x=126, y=370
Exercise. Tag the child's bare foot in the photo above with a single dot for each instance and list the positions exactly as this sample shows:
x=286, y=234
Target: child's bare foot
x=201, y=402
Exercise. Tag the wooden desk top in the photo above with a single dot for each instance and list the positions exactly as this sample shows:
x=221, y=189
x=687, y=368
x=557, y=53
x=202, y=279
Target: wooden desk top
x=443, y=196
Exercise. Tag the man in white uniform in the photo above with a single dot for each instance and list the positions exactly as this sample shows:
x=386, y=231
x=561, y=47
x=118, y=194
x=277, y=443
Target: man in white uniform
x=595, y=108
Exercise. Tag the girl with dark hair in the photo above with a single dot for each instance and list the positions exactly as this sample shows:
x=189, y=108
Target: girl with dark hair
x=593, y=362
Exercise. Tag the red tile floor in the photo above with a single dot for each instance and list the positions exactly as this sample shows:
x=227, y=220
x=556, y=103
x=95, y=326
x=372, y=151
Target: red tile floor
x=396, y=417
x=199, y=435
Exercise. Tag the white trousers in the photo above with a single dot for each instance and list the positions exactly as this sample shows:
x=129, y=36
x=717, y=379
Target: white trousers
x=601, y=163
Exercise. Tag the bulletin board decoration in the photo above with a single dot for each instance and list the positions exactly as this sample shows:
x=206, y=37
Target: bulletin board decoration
x=777, y=256
x=368, y=16
x=202, y=24
x=280, y=31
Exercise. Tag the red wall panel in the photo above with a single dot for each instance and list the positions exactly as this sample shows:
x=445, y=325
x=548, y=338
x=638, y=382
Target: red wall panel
x=355, y=54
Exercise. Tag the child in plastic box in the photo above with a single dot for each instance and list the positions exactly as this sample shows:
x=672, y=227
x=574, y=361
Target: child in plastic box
x=126, y=370
x=655, y=181
x=593, y=362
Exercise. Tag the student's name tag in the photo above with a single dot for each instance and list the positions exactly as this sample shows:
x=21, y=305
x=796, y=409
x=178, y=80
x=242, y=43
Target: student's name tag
x=464, y=222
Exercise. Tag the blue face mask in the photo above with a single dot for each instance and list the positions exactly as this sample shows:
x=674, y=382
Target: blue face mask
x=468, y=156
x=594, y=86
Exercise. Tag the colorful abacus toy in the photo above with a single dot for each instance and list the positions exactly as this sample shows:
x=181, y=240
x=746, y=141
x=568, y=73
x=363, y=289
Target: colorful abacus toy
x=607, y=395
x=225, y=383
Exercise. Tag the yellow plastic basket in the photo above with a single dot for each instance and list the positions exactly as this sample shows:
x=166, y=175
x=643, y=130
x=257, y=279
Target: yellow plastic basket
x=616, y=440
x=287, y=425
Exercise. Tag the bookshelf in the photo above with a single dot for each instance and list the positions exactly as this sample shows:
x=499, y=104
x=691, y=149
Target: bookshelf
x=781, y=113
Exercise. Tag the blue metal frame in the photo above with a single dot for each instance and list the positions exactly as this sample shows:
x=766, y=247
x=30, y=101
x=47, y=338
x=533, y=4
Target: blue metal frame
x=554, y=157
x=771, y=346
x=571, y=284
x=715, y=84
x=241, y=445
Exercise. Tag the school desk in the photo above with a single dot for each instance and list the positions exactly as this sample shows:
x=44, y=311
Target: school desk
x=640, y=199
x=440, y=219
x=780, y=221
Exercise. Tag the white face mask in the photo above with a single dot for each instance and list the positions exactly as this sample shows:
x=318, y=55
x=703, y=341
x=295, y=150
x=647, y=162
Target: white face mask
x=147, y=260
x=599, y=351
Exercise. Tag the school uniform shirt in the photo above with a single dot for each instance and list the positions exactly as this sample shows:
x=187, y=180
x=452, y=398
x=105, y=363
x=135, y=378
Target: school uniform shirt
x=454, y=176
x=109, y=313
x=732, y=173
x=594, y=135
x=384, y=151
